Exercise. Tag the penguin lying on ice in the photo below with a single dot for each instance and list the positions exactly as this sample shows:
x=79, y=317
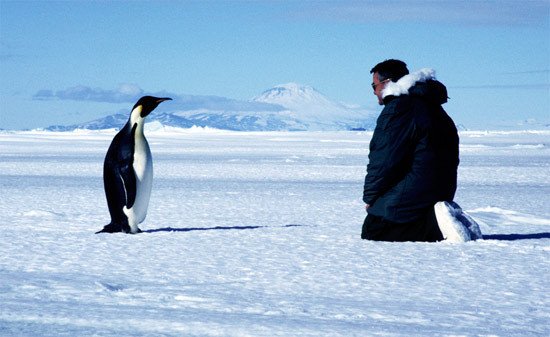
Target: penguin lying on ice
x=128, y=171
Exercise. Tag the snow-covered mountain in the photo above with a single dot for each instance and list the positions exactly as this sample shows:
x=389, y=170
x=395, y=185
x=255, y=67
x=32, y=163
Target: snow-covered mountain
x=291, y=107
x=307, y=104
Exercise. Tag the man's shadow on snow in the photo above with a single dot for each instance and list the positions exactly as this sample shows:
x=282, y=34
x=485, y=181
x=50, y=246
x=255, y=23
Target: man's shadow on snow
x=170, y=229
x=514, y=237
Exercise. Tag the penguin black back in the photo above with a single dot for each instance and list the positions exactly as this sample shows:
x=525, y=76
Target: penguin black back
x=119, y=179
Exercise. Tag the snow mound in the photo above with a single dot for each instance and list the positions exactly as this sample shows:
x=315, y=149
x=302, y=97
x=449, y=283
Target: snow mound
x=456, y=225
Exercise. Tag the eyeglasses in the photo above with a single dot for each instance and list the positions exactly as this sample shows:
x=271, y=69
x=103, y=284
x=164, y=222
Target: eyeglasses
x=374, y=85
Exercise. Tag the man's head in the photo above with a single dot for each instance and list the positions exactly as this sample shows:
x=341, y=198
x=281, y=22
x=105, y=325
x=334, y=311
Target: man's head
x=383, y=72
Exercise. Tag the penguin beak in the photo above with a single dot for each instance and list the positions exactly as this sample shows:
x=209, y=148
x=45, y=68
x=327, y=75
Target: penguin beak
x=160, y=100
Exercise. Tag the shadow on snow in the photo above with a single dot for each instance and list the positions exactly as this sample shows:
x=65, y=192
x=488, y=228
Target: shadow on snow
x=170, y=229
x=514, y=237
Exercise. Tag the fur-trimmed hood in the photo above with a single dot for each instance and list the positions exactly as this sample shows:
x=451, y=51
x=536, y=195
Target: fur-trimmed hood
x=420, y=83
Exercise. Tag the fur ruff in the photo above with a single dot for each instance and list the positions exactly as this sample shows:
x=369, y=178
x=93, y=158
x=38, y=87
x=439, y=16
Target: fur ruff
x=402, y=86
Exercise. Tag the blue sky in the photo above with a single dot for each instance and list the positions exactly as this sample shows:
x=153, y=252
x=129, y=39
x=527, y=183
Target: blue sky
x=66, y=62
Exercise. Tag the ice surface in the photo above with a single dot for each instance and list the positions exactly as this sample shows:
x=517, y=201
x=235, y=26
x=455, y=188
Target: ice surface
x=258, y=234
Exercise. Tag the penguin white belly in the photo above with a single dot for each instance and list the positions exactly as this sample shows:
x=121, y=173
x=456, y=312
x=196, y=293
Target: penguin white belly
x=143, y=168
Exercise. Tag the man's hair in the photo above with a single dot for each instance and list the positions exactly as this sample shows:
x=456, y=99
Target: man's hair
x=390, y=69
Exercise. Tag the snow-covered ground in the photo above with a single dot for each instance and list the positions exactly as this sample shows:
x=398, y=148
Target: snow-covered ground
x=258, y=234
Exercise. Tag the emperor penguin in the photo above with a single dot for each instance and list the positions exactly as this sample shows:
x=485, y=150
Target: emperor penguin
x=128, y=171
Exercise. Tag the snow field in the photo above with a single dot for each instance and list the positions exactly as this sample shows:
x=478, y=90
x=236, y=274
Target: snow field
x=257, y=234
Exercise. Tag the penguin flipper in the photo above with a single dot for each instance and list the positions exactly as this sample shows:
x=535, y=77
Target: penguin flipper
x=128, y=177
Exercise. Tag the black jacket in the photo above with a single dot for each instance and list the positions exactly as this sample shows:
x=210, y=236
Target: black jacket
x=413, y=157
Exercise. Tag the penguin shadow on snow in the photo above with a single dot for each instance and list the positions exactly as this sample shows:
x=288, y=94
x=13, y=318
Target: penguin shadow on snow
x=192, y=229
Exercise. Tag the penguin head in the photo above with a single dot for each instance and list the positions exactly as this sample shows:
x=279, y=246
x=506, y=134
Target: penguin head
x=148, y=104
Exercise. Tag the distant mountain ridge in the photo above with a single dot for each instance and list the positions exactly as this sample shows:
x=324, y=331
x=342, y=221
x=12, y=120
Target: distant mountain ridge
x=287, y=107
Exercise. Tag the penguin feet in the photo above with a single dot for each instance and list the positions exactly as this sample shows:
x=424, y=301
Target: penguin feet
x=128, y=230
x=116, y=228
x=137, y=231
x=111, y=228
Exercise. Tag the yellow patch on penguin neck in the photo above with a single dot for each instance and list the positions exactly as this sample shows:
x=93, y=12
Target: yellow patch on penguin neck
x=135, y=118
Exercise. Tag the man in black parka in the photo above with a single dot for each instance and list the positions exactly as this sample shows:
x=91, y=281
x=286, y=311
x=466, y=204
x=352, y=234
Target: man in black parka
x=413, y=157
